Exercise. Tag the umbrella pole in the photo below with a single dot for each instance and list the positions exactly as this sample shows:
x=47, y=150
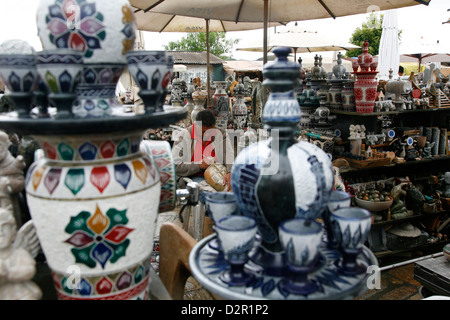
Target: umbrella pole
x=266, y=18
x=208, y=78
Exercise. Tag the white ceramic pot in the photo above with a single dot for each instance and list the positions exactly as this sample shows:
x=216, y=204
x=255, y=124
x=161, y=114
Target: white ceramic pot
x=94, y=199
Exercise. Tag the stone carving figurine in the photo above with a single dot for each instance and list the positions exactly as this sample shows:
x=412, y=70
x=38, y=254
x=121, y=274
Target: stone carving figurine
x=426, y=153
x=12, y=180
x=229, y=79
x=247, y=85
x=339, y=69
x=17, y=252
x=398, y=208
x=316, y=71
x=257, y=101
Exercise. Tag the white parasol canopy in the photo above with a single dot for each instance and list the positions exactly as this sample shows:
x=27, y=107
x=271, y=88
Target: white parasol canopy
x=388, y=55
x=147, y=20
x=300, y=41
x=425, y=52
x=270, y=10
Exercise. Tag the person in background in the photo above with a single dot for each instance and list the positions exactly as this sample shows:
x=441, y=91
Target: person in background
x=401, y=70
x=199, y=145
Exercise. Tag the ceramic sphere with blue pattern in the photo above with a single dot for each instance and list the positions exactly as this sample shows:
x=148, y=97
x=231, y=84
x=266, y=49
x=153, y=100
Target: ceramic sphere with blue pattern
x=279, y=178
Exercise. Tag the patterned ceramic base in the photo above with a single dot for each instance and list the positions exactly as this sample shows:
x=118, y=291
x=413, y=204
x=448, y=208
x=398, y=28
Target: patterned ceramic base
x=206, y=265
x=162, y=154
x=129, y=284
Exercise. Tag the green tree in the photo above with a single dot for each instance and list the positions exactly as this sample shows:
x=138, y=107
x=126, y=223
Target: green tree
x=371, y=31
x=196, y=41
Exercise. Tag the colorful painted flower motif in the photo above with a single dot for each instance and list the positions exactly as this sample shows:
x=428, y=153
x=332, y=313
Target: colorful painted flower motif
x=98, y=238
x=77, y=25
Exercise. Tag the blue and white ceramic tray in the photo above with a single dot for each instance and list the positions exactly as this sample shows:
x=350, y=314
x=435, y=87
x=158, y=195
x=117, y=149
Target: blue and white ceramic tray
x=207, y=263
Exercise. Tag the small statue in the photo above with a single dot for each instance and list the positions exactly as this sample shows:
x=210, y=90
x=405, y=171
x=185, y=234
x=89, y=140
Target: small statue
x=17, y=252
x=323, y=72
x=398, y=208
x=257, y=102
x=12, y=180
x=316, y=71
x=247, y=85
x=339, y=69
x=229, y=79
x=426, y=154
x=302, y=71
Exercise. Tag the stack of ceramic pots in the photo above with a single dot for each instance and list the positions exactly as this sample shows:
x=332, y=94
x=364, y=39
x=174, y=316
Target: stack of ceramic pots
x=94, y=196
x=365, y=87
x=221, y=105
x=278, y=179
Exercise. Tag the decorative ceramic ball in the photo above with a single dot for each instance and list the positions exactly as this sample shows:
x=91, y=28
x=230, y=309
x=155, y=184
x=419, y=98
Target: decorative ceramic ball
x=103, y=30
x=312, y=178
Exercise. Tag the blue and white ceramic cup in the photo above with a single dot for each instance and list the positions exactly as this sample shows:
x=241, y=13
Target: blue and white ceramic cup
x=150, y=71
x=20, y=76
x=60, y=70
x=300, y=239
x=236, y=236
x=338, y=199
x=351, y=227
x=219, y=205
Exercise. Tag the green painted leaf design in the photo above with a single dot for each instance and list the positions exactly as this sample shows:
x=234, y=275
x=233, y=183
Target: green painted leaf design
x=101, y=35
x=65, y=287
x=79, y=223
x=66, y=151
x=139, y=275
x=75, y=180
x=83, y=255
x=102, y=104
x=122, y=148
x=119, y=250
x=116, y=217
x=51, y=82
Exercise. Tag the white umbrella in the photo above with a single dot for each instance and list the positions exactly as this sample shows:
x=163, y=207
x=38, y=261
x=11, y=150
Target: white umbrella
x=425, y=52
x=388, y=55
x=147, y=20
x=300, y=41
x=270, y=10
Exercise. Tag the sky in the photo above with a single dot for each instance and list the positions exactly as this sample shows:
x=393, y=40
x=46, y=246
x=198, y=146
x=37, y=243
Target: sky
x=419, y=23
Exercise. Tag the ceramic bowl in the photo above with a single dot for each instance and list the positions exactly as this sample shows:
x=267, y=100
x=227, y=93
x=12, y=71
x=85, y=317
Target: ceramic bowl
x=19, y=72
x=150, y=69
x=373, y=206
x=60, y=69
